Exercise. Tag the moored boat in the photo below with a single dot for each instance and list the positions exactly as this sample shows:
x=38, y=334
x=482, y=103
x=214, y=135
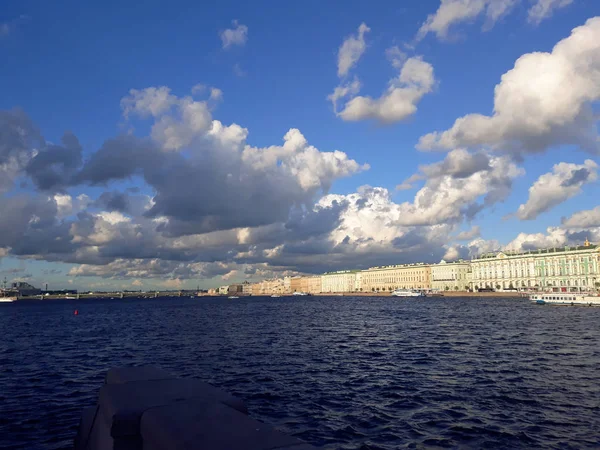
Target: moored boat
x=231, y=297
x=5, y=294
x=300, y=293
x=406, y=293
x=564, y=298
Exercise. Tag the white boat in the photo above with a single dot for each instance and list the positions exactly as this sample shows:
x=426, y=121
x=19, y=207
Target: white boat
x=406, y=293
x=275, y=296
x=300, y=293
x=564, y=298
x=7, y=299
x=231, y=297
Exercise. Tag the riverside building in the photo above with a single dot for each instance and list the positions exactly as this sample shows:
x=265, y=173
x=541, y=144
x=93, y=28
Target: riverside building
x=564, y=269
x=296, y=284
x=342, y=281
x=451, y=276
x=287, y=285
x=388, y=278
x=246, y=288
x=313, y=284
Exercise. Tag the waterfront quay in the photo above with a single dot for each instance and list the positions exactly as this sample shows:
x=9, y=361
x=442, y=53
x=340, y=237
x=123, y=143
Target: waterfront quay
x=109, y=295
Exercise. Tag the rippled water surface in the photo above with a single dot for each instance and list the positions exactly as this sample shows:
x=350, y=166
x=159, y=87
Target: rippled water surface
x=339, y=372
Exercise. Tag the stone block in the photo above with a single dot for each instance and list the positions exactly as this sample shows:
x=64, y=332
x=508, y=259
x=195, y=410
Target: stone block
x=94, y=434
x=144, y=408
x=122, y=405
x=198, y=425
x=85, y=427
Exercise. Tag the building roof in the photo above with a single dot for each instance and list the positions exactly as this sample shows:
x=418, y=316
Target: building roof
x=398, y=266
x=340, y=272
x=540, y=251
x=458, y=261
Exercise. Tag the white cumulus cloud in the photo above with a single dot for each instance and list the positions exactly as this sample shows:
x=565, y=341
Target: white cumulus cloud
x=238, y=35
x=545, y=100
x=468, y=235
x=152, y=101
x=351, y=50
x=453, y=12
x=178, y=120
x=553, y=188
x=458, y=187
x=397, y=103
x=544, y=9
x=584, y=219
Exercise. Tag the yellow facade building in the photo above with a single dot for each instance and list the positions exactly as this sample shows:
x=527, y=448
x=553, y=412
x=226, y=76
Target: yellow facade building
x=313, y=284
x=388, y=278
x=296, y=284
x=343, y=281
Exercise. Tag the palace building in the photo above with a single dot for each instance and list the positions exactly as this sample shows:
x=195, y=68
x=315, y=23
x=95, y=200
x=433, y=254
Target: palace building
x=451, y=276
x=564, y=269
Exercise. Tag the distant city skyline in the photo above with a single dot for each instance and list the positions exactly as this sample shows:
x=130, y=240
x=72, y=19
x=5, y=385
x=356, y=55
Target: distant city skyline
x=153, y=148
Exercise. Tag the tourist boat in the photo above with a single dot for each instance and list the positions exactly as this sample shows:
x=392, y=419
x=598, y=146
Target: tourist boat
x=564, y=298
x=4, y=294
x=406, y=293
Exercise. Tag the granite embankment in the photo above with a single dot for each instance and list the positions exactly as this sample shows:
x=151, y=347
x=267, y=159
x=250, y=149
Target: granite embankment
x=445, y=294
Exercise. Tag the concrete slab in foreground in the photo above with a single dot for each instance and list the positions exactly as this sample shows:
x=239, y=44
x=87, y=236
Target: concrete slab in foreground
x=144, y=408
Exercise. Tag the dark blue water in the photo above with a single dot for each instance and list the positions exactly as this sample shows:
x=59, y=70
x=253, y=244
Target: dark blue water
x=344, y=373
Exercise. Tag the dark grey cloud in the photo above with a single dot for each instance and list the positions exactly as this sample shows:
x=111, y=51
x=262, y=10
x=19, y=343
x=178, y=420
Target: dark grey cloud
x=458, y=164
x=113, y=201
x=306, y=223
x=154, y=268
x=51, y=272
x=411, y=239
x=577, y=176
x=18, y=135
x=13, y=270
x=22, y=214
x=54, y=165
x=468, y=235
x=198, y=195
x=119, y=158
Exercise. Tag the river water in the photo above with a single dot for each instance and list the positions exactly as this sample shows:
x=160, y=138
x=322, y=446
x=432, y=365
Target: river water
x=338, y=372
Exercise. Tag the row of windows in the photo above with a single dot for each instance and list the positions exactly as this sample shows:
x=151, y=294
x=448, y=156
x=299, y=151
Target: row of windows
x=530, y=283
x=554, y=262
x=540, y=271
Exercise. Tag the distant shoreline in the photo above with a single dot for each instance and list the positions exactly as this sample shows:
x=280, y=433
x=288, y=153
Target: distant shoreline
x=116, y=296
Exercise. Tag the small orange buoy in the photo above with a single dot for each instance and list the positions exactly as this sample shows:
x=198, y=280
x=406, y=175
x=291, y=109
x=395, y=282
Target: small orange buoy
x=76, y=312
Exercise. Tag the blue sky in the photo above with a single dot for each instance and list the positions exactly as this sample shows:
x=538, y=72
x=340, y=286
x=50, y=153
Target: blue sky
x=69, y=67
